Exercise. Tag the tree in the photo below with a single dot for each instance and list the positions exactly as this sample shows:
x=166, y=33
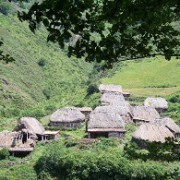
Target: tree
x=109, y=30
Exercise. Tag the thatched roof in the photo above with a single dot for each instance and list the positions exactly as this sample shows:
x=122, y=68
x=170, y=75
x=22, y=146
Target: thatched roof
x=105, y=118
x=110, y=88
x=158, y=103
x=113, y=100
x=32, y=125
x=169, y=123
x=7, y=138
x=85, y=109
x=151, y=132
x=144, y=113
x=124, y=111
x=67, y=115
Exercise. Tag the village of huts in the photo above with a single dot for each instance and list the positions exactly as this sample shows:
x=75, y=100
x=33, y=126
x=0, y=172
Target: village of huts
x=107, y=120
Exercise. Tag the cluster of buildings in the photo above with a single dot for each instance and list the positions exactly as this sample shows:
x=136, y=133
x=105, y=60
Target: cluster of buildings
x=107, y=120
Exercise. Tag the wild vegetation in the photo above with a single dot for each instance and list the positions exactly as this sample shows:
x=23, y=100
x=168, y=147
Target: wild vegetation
x=42, y=78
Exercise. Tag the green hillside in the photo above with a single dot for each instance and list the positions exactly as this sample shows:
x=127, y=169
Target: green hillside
x=149, y=76
x=42, y=74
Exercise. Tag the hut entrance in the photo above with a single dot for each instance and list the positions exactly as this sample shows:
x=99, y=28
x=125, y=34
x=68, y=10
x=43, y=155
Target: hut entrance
x=99, y=134
x=24, y=138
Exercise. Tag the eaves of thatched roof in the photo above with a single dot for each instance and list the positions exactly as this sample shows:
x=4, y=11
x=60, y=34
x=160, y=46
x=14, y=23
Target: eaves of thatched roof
x=145, y=113
x=110, y=88
x=67, y=115
x=169, y=123
x=152, y=133
x=158, y=103
x=105, y=118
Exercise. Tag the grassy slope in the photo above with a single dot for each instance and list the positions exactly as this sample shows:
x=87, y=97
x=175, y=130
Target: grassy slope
x=148, y=77
x=24, y=83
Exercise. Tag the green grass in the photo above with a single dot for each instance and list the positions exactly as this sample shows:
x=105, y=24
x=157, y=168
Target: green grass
x=27, y=86
x=149, y=76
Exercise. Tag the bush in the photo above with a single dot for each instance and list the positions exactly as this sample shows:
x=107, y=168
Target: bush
x=5, y=8
x=4, y=153
x=42, y=62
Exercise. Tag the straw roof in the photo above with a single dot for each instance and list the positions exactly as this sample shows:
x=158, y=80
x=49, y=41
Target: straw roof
x=67, y=115
x=152, y=132
x=105, y=118
x=110, y=88
x=85, y=109
x=32, y=125
x=169, y=123
x=113, y=100
x=145, y=113
x=7, y=138
x=158, y=103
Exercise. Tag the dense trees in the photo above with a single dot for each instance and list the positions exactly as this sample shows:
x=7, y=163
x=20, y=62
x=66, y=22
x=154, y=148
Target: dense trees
x=109, y=29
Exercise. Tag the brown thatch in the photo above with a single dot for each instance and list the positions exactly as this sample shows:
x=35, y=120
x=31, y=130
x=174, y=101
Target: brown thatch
x=168, y=123
x=7, y=138
x=32, y=125
x=143, y=113
x=110, y=88
x=113, y=100
x=85, y=109
x=157, y=103
x=105, y=118
x=151, y=133
x=67, y=115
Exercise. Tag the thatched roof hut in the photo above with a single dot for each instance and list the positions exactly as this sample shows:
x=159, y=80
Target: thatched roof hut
x=105, y=119
x=168, y=123
x=103, y=88
x=144, y=114
x=152, y=133
x=66, y=118
x=7, y=138
x=113, y=100
x=160, y=104
x=85, y=110
x=31, y=125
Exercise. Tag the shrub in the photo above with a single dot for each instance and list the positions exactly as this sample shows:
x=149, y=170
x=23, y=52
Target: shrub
x=42, y=62
x=4, y=153
x=5, y=7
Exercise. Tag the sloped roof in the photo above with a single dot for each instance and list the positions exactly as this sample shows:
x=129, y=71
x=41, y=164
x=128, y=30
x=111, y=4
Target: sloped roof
x=67, y=115
x=145, y=113
x=7, y=138
x=159, y=102
x=31, y=124
x=110, y=88
x=113, y=100
x=169, y=123
x=152, y=132
x=105, y=117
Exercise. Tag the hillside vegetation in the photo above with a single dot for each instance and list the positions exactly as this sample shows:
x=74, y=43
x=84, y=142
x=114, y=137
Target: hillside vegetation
x=42, y=75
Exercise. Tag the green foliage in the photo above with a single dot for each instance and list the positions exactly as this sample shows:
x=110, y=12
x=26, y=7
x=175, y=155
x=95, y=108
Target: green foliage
x=108, y=30
x=99, y=163
x=5, y=7
x=4, y=153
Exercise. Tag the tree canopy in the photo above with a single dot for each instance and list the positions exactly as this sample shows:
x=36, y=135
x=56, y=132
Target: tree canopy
x=108, y=30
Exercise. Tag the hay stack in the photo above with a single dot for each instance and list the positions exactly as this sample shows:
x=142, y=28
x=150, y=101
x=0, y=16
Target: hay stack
x=144, y=114
x=152, y=133
x=103, y=88
x=160, y=104
x=67, y=115
x=105, y=118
